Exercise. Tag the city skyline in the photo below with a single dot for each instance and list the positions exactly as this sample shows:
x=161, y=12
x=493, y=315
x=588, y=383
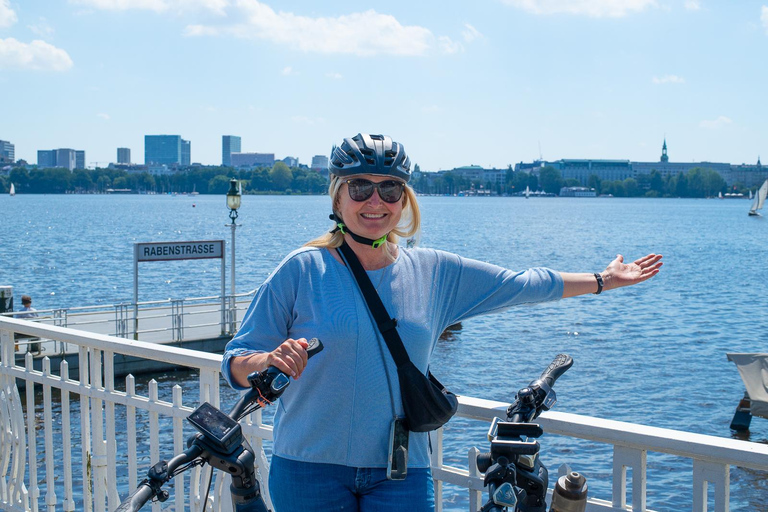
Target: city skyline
x=492, y=84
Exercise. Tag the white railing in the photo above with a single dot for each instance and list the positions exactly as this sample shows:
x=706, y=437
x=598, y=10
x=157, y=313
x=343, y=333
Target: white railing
x=105, y=413
x=158, y=321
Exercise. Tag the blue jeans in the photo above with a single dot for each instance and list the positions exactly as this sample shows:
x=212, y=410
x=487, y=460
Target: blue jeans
x=312, y=487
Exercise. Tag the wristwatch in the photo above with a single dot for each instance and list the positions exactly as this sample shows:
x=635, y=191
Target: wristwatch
x=599, y=283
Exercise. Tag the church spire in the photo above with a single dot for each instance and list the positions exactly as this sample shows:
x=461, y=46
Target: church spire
x=664, y=157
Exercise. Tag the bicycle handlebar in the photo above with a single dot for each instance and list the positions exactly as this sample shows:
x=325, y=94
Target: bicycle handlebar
x=556, y=369
x=266, y=386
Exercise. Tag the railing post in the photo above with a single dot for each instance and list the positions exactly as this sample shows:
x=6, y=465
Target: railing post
x=623, y=458
x=475, y=497
x=436, y=438
x=717, y=474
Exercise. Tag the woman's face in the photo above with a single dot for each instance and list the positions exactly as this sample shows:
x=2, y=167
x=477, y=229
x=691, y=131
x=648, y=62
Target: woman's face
x=371, y=218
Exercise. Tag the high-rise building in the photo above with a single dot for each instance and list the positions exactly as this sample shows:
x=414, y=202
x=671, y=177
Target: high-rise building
x=7, y=152
x=229, y=144
x=186, y=152
x=319, y=163
x=164, y=149
x=62, y=157
x=124, y=156
x=46, y=158
x=79, y=159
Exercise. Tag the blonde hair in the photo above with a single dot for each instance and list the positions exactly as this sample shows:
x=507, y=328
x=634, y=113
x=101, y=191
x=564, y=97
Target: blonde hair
x=409, y=225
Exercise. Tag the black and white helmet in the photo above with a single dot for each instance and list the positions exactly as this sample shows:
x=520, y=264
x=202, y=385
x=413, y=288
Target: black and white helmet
x=370, y=154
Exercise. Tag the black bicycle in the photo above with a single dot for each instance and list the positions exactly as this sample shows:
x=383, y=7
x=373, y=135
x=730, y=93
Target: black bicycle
x=219, y=442
x=515, y=477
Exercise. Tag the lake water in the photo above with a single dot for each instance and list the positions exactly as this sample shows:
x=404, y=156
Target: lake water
x=652, y=354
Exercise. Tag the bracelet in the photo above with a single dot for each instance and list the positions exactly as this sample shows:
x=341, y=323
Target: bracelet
x=599, y=283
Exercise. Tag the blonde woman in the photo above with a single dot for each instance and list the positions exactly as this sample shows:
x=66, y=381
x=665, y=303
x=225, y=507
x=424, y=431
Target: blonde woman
x=332, y=426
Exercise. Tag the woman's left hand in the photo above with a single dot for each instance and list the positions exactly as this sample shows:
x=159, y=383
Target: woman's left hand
x=618, y=273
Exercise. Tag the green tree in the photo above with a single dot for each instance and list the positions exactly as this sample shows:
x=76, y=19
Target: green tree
x=281, y=176
x=595, y=182
x=550, y=180
x=219, y=184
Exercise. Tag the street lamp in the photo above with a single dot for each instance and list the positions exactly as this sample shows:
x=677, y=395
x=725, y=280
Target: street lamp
x=233, y=203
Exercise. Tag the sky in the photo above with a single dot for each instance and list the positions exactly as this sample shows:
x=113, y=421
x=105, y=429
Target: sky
x=482, y=82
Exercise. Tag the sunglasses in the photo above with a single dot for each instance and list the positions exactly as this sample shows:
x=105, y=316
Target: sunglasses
x=390, y=191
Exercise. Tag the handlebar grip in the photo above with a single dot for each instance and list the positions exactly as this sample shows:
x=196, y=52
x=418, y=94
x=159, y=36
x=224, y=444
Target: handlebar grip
x=314, y=346
x=137, y=499
x=556, y=368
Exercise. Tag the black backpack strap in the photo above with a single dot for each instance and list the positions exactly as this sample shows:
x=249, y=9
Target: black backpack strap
x=386, y=325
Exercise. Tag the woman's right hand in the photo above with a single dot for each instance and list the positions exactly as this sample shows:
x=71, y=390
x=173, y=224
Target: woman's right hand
x=290, y=357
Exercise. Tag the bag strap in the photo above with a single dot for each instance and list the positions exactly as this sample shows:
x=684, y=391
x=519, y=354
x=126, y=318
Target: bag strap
x=387, y=325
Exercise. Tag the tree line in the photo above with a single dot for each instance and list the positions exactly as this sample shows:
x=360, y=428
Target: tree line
x=206, y=180
x=697, y=182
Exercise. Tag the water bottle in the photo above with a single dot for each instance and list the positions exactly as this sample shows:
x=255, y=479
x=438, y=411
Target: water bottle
x=570, y=493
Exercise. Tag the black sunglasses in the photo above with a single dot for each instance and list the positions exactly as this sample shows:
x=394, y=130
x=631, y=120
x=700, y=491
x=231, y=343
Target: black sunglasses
x=390, y=191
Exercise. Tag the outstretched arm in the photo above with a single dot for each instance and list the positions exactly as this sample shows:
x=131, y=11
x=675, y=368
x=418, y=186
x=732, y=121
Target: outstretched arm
x=616, y=275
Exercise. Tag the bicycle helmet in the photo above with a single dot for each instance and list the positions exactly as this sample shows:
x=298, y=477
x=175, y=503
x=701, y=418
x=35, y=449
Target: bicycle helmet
x=370, y=154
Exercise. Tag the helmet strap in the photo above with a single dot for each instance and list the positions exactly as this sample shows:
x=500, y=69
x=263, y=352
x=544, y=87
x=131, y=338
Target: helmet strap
x=340, y=226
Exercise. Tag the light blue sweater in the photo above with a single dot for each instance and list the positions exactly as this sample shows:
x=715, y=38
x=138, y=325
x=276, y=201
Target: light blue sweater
x=340, y=410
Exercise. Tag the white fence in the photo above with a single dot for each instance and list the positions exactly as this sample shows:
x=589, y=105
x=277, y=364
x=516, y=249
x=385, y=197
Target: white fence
x=99, y=418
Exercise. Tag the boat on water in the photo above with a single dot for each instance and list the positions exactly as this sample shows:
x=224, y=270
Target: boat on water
x=13, y=190
x=527, y=191
x=760, y=196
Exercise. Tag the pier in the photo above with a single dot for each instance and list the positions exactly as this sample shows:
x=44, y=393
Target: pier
x=197, y=323
x=92, y=431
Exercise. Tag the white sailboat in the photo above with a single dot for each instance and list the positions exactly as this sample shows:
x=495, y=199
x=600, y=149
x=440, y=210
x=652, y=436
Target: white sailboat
x=750, y=195
x=13, y=190
x=527, y=192
x=759, y=199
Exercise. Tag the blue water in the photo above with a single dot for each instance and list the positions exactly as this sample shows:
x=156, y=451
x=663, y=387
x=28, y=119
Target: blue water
x=652, y=354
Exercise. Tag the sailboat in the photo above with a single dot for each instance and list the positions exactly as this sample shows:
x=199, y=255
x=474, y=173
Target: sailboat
x=527, y=192
x=759, y=199
x=750, y=195
x=194, y=191
x=13, y=190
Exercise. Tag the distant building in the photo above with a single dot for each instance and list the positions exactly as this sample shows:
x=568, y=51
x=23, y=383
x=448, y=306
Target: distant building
x=63, y=157
x=291, y=161
x=253, y=159
x=124, y=156
x=186, y=152
x=577, y=192
x=166, y=150
x=229, y=144
x=475, y=173
x=619, y=170
x=319, y=163
x=7, y=152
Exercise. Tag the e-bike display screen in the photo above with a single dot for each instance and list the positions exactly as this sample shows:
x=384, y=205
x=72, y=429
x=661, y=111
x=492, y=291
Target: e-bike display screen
x=218, y=429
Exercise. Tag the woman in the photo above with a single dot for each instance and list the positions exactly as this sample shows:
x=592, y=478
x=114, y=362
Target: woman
x=332, y=427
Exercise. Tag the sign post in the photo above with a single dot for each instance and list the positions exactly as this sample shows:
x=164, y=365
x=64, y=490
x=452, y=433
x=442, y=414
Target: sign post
x=171, y=251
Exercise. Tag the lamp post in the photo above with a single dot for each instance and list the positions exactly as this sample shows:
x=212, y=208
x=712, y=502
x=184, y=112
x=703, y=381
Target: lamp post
x=233, y=203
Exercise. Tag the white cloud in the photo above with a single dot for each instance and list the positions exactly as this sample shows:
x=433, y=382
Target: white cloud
x=720, y=122
x=470, y=33
x=764, y=17
x=7, y=16
x=669, y=79
x=335, y=76
x=37, y=55
x=215, y=6
x=42, y=28
x=692, y=5
x=287, y=70
x=364, y=34
x=103, y=116
x=593, y=8
x=449, y=46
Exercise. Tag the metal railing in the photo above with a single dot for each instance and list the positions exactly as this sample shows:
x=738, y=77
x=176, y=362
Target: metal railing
x=159, y=321
x=92, y=433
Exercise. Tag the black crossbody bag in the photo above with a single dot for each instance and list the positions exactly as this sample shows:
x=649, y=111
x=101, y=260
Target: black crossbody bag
x=428, y=405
